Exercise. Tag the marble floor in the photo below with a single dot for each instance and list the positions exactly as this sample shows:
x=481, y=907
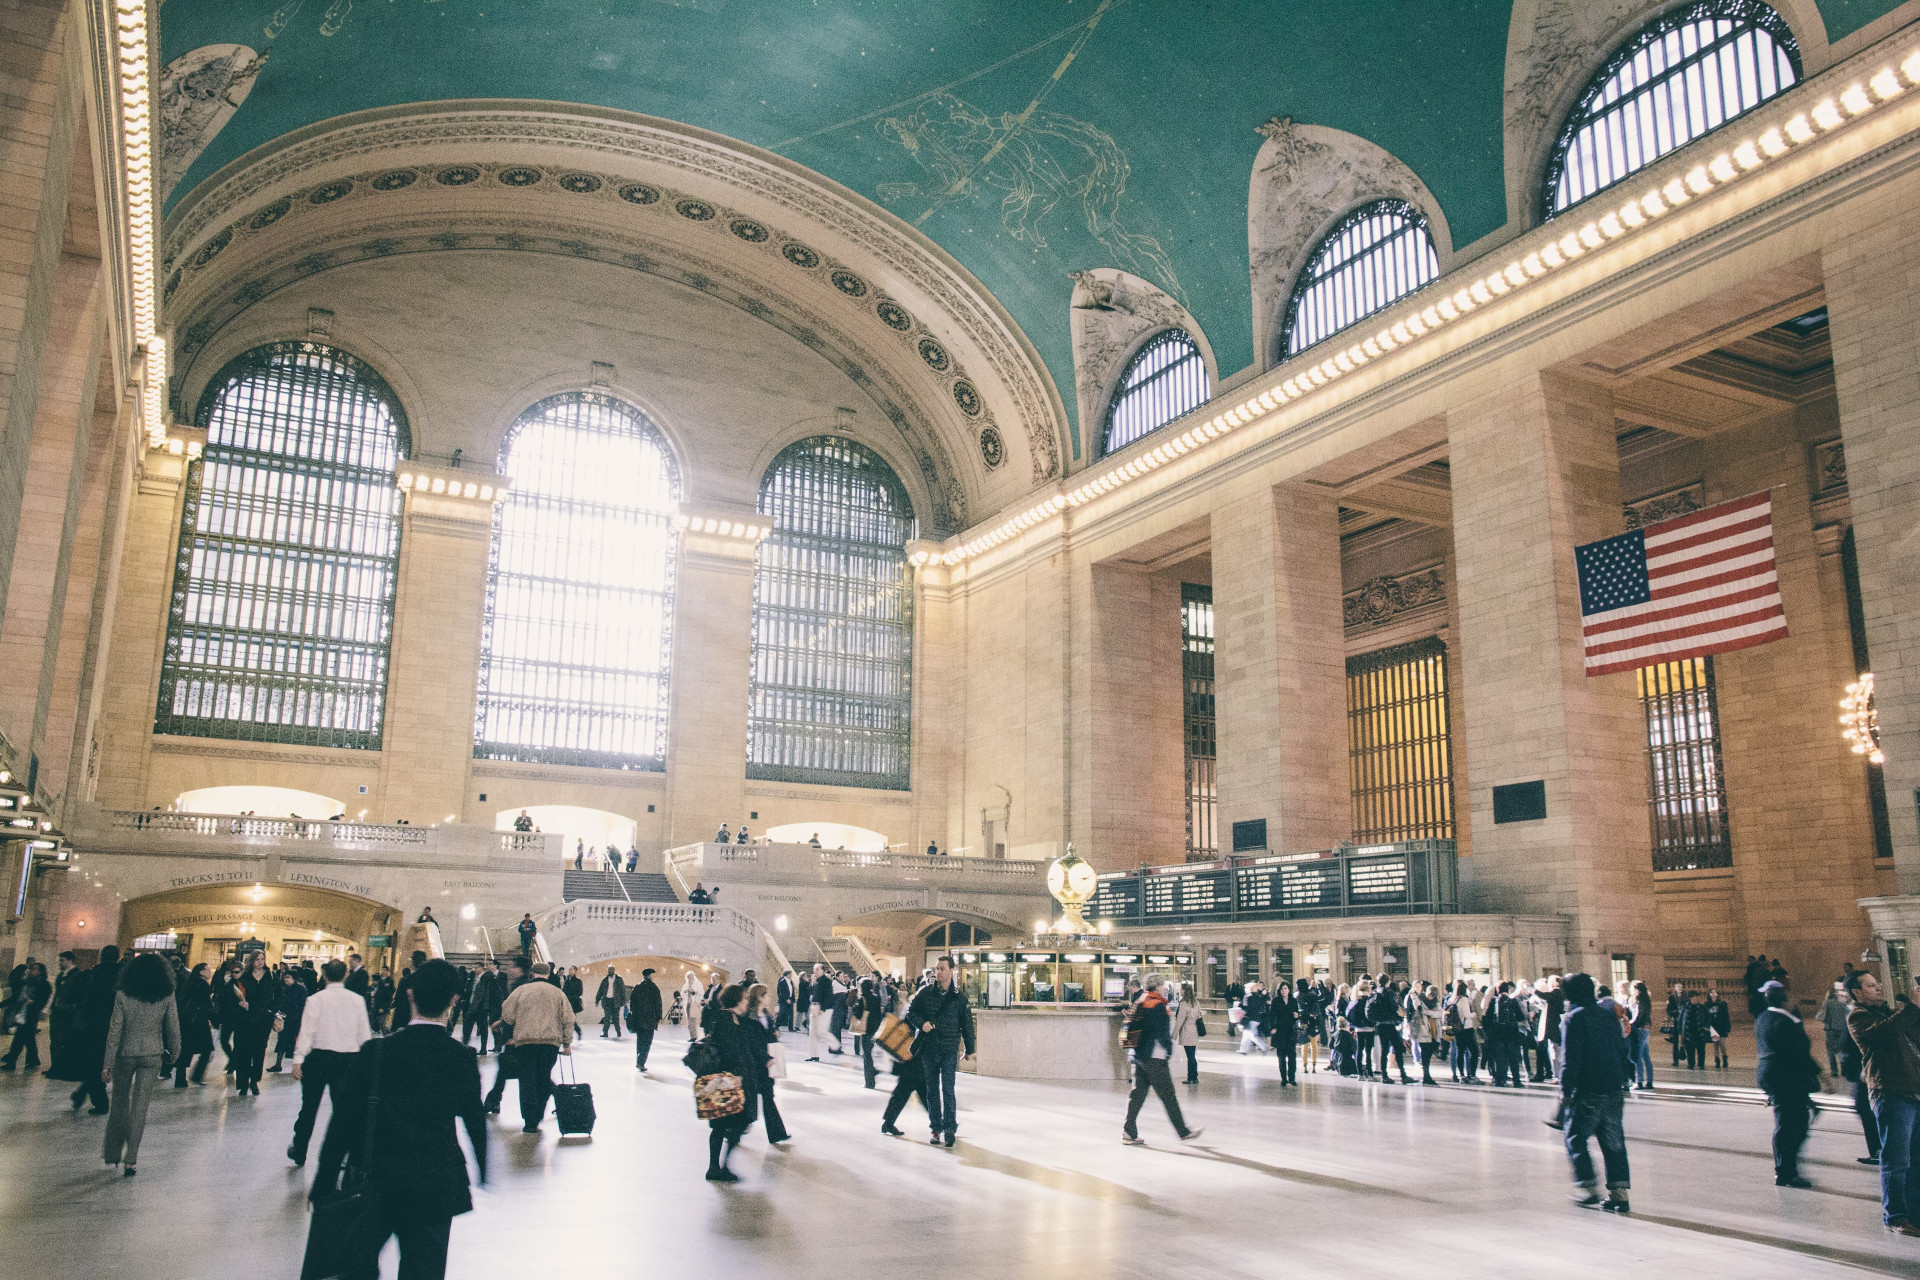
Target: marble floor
x=1335, y=1177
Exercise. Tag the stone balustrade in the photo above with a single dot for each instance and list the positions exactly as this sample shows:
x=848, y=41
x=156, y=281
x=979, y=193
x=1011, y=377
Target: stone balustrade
x=137, y=831
x=804, y=864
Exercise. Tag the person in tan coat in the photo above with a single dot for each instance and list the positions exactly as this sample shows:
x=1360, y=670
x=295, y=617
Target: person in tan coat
x=542, y=1020
x=143, y=1039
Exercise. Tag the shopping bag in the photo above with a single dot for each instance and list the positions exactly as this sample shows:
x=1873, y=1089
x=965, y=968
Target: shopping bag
x=776, y=1061
x=718, y=1096
x=896, y=1037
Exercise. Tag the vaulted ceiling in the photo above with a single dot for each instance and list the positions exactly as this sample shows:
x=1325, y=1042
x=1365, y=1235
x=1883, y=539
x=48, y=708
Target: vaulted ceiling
x=1028, y=138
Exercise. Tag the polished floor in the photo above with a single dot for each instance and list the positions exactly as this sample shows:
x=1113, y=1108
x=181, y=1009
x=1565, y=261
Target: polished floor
x=1334, y=1177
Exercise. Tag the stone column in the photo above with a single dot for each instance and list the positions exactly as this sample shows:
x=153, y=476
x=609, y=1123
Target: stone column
x=1535, y=473
x=439, y=611
x=40, y=111
x=1280, y=668
x=712, y=650
x=1136, y=769
x=1875, y=322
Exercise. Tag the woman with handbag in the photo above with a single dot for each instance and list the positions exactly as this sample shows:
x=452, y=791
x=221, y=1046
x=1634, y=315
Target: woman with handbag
x=1186, y=1030
x=864, y=1012
x=758, y=1024
x=736, y=1052
x=255, y=997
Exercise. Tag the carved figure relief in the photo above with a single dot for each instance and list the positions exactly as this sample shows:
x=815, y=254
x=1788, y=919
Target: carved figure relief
x=1305, y=178
x=1381, y=600
x=1666, y=506
x=1111, y=314
x=199, y=92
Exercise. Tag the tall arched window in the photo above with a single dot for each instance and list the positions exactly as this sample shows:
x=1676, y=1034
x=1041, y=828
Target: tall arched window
x=1165, y=378
x=579, y=627
x=1373, y=257
x=831, y=693
x=289, y=546
x=1684, y=74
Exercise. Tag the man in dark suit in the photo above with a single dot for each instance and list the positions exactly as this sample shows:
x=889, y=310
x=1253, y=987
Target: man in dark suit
x=1789, y=1075
x=90, y=1033
x=644, y=1006
x=415, y=1171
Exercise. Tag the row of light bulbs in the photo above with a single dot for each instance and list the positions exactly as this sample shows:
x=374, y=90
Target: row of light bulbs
x=453, y=488
x=1651, y=205
x=136, y=127
x=721, y=528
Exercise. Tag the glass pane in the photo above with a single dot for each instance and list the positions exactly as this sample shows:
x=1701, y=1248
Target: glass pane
x=1378, y=254
x=1165, y=379
x=1196, y=668
x=1399, y=744
x=1686, y=792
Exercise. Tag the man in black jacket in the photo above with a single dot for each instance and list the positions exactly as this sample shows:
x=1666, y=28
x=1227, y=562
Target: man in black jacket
x=1152, y=1054
x=943, y=1020
x=415, y=1170
x=482, y=1004
x=1789, y=1075
x=94, y=1017
x=1595, y=1069
x=611, y=997
x=644, y=1008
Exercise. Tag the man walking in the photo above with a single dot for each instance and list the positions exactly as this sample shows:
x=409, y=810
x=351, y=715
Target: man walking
x=644, y=1008
x=612, y=998
x=542, y=1022
x=820, y=1010
x=332, y=1028
x=1152, y=1052
x=1889, y=1049
x=944, y=1021
x=416, y=1174
x=784, y=992
x=1595, y=1070
x=1788, y=1074
x=527, y=930
x=95, y=1017
x=483, y=1003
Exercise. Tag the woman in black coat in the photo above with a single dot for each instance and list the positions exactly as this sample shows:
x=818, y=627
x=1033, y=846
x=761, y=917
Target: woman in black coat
x=255, y=999
x=194, y=1001
x=758, y=1024
x=740, y=1053
x=1282, y=1022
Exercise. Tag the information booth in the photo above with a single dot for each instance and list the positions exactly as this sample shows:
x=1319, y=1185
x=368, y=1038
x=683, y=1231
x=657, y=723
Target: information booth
x=1061, y=972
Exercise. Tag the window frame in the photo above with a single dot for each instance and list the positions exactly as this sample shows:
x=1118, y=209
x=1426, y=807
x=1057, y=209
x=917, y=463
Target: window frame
x=1199, y=722
x=267, y=681
x=789, y=749
x=1194, y=358
x=1311, y=275
x=1403, y=783
x=1591, y=105
x=552, y=752
x=1673, y=848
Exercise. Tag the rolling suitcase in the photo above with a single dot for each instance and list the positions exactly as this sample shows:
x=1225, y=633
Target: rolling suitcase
x=573, y=1103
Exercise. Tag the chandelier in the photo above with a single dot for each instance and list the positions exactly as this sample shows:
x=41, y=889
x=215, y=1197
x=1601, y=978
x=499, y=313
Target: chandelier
x=1860, y=720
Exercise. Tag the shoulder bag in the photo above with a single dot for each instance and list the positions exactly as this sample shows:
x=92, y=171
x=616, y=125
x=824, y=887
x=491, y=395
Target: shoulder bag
x=336, y=1235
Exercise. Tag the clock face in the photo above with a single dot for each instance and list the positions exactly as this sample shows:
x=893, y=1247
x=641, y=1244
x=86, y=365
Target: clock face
x=1056, y=879
x=1083, y=879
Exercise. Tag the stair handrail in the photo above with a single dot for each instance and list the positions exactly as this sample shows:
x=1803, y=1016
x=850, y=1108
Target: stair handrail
x=674, y=878
x=859, y=948
x=618, y=883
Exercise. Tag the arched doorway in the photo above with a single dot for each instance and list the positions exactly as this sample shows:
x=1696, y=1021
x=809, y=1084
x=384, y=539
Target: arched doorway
x=287, y=922
x=267, y=802
x=581, y=828
x=832, y=835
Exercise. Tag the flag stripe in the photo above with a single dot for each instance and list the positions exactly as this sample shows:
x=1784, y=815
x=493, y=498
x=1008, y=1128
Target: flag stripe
x=1710, y=585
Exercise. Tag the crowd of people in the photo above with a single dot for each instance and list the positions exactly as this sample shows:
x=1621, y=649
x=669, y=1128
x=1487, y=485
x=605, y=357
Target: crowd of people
x=120, y=1028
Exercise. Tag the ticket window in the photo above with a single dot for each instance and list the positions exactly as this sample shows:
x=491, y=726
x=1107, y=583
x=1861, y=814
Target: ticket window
x=1319, y=963
x=1035, y=983
x=1282, y=966
x=1479, y=966
x=1217, y=973
x=1249, y=965
x=1079, y=982
x=1393, y=958
x=1354, y=962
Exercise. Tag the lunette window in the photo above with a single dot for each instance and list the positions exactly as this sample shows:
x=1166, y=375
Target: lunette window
x=1372, y=258
x=579, y=621
x=831, y=682
x=282, y=613
x=1165, y=379
x=1681, y=76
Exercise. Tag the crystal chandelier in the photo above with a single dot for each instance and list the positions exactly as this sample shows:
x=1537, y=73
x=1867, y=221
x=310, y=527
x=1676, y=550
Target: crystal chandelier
x=1860, y=721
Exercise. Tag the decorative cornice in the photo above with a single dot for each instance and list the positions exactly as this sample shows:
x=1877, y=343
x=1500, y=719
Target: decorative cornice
x=213, y=207
x=1665, y=506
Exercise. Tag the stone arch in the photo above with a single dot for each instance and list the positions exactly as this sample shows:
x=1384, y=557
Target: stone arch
x=1554, y=47
x=1115, y=313
x=208, y=915
x=1305, y=179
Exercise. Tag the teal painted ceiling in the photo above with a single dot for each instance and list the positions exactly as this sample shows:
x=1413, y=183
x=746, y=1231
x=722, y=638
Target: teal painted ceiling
x=1029, y=138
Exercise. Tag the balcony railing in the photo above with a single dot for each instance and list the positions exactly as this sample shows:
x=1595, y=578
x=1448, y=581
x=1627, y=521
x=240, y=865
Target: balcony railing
x=156, y=831
x=1414, y=877
x=800, y=863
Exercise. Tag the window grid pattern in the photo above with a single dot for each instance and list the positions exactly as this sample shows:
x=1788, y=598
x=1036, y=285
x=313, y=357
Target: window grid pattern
x=1202, y=753
x=281, y=620
x=1375, y=256
x=1686, y=789
x=1165, y=379
x=579, y=625
x=1683, y=76
x=1400, y=744
x=831, y=682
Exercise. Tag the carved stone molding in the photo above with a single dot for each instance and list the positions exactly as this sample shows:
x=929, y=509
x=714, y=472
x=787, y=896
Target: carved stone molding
x=1379, y=601
x=199, y=92
x=1829, y=469
x=1305, y=179
x=587, y=142
x=1666, y=506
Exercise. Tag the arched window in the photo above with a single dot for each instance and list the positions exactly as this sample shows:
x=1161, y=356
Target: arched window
x=831, y=684
x=1684, y=74
x=289, y=548
x=1373, y=257
x=1165, y=378
x=579, y=626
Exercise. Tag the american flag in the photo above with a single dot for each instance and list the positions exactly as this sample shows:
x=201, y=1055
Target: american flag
x=1686, y=587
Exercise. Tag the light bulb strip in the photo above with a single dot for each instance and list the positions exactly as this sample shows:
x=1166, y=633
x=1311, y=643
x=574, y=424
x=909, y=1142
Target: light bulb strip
x=1299, y=378
x=136, y=129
